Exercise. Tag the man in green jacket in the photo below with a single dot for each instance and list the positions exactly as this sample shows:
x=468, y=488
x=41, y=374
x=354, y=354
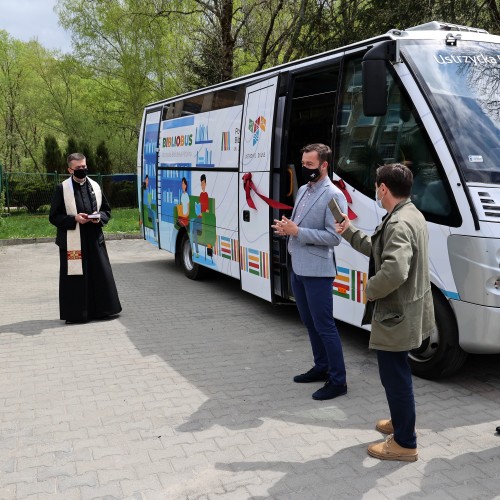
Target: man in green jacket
x=399, y=302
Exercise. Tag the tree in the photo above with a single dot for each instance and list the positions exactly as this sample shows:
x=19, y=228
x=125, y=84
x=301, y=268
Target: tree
x=102, y=160
x=52, y=157
x=84, y=148
x=71, y=147
x=21, y=136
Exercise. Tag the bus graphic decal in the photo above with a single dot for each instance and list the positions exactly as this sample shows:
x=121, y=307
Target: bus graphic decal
x=350, y=284
x=201, y=135
x=224, y=247
x=225, y=142
x=256, y=127
x=255, y=262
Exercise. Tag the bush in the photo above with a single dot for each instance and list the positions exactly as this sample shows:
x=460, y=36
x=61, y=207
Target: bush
x=2, y=207
x=32, y=194
x=123, y=194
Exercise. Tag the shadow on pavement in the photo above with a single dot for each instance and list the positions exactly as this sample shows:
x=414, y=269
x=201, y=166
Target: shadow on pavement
x=241, y=353
x=343, y=475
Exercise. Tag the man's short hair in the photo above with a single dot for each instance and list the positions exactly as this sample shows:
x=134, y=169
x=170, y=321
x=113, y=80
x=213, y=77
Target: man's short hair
x=397, y=177
x=324, y=152
x=74, y=156
x=203, y=178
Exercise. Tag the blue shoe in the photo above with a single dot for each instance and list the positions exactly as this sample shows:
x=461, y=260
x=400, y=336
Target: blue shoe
x=330, y=391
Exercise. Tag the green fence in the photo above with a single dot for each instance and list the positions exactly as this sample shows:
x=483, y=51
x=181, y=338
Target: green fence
x=31, y=192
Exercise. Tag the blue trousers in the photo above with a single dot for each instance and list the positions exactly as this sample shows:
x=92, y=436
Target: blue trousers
x=197, y=226
x=314, y=300
x=395, y=375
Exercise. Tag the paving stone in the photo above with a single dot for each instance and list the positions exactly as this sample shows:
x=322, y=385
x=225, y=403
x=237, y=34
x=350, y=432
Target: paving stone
x=182, y=397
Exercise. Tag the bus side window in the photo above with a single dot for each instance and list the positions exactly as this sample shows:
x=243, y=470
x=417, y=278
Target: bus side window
x=363, y=143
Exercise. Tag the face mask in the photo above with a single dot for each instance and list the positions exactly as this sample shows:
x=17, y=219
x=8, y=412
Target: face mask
x=81, y=173
x=311, y=174
x=379, y=202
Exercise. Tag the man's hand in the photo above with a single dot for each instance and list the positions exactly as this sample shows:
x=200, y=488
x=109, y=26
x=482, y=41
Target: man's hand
x=81, y=218
x=340, y=227
x=285, y=227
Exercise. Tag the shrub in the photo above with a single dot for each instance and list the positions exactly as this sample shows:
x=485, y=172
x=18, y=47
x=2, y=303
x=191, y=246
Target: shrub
x=32, y=193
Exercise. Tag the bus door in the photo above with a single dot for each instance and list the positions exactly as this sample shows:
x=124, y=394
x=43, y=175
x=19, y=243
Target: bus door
x=255, y=178
x=148, y=195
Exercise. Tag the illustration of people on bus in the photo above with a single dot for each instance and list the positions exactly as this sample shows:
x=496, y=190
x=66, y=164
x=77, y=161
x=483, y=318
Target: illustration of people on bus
x=148, y=214
x=183, y=207
x=200, y=207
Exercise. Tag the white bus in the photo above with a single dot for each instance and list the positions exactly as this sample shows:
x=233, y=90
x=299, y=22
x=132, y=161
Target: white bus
x=429, y=96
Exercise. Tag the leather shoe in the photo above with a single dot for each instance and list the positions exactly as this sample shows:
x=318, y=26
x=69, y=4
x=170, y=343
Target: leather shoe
x=311, y=376
x=329, y=391
x=385, y=426
x=390, y=450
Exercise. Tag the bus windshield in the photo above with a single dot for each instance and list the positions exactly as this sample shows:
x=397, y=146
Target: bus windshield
x=463, y=85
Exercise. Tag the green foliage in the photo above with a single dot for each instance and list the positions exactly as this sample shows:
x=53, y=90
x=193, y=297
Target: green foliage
x=123, y=194
x=31, y=192
x=102, y=159
x=128, y=53
x=84, y=148
x=2, y=207
x=52, y=157
x=71, y=147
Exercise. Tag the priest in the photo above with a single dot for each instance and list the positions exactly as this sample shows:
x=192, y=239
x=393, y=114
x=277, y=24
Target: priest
x=79, y=210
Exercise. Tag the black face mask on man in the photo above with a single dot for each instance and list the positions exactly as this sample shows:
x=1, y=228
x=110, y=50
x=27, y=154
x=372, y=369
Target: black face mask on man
x=81, y=173
x=311, y=174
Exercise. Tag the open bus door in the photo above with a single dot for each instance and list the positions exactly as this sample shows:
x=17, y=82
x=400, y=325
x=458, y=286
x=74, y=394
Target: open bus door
x=255, y=177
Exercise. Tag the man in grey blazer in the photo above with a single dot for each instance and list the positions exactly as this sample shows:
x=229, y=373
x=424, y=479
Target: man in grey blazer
x=311, y=241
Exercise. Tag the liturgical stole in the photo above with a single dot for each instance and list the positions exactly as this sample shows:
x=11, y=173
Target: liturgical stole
x=73, y=242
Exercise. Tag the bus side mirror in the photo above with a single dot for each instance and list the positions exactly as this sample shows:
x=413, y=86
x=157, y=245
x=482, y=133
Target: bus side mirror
x=375, y=77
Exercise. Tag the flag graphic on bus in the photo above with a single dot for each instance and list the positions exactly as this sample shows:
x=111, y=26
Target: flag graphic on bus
x=255, y=262
x=350, y=284
x=256, y=127
x=227, y=248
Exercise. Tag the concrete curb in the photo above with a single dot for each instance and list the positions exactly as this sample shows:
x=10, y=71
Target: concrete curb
x=108, y=237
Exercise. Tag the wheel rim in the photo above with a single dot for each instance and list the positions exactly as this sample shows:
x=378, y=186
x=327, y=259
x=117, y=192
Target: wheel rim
x=428, y=349
x=187, y=256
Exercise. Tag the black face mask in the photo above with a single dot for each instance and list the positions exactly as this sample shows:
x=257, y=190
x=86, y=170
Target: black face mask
x=311, y=174
x=80, y=173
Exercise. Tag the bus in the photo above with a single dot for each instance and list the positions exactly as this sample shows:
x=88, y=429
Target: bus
x=217, y=165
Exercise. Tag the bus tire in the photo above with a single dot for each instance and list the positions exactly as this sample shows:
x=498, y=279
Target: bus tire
x=440, y=355
x=192, y=270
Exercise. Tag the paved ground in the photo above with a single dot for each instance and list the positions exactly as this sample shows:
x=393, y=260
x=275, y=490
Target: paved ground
x=188, y=395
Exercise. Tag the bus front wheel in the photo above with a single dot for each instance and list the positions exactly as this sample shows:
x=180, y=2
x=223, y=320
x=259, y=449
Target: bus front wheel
x=191, y=270
x=439, y=355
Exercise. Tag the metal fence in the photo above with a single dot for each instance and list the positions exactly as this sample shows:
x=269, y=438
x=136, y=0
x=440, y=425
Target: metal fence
x=31, y=192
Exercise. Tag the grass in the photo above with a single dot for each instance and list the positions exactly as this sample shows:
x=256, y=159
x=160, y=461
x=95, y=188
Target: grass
x=23, y=225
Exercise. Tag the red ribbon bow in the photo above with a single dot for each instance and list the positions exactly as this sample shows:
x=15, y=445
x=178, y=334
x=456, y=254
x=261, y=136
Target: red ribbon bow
x=341, y=185
x=249, y=186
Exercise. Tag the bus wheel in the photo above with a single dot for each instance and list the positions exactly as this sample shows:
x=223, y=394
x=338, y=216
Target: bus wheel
x=191, y=270
x=439, y=355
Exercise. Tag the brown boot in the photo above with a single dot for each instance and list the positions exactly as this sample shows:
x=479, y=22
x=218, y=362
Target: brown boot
x=390, y=450
x=385, y=426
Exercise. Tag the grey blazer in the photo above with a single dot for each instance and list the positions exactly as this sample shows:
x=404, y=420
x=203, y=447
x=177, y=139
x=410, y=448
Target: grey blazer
x=312, y=249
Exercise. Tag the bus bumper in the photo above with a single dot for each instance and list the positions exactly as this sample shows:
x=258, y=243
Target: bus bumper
x=479, y=331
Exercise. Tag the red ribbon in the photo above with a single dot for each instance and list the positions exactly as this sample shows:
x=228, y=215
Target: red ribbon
x=249, y=186
x=341, y=185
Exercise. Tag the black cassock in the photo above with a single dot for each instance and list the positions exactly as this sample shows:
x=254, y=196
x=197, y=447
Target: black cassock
x=92, y=295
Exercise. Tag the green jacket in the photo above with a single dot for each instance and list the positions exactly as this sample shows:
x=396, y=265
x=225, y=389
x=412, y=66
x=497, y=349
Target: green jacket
x=401, y=309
